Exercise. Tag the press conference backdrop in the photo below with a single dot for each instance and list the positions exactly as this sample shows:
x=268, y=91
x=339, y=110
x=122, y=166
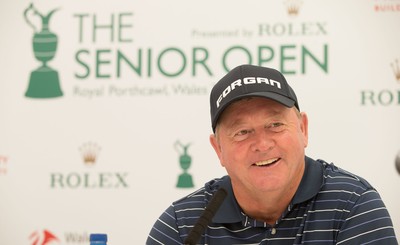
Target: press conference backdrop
x=104, y=104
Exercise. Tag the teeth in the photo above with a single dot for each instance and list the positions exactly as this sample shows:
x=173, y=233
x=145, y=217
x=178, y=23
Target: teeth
x=267, y=162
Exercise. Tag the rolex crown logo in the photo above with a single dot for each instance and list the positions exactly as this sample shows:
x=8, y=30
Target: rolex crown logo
x=396, y=69
x=90, y=152
x=293, y=7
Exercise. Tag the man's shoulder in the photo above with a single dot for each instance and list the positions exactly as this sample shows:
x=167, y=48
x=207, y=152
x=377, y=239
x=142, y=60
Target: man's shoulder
x=201, y=196
x=339, y=178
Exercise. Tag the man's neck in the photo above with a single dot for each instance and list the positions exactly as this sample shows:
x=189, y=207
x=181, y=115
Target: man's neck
x=267, y=206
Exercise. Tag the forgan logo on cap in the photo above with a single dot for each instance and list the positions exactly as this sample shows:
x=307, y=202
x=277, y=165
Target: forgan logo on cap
x=246, y=81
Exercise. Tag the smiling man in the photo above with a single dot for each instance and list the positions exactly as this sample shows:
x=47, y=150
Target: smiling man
x=275, y=193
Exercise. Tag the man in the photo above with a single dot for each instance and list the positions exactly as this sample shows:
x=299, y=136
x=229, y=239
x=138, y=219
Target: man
x=275, y=194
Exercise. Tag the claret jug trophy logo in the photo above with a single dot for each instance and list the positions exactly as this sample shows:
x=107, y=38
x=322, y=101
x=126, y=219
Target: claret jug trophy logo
x=185, y=179
x=44, y=81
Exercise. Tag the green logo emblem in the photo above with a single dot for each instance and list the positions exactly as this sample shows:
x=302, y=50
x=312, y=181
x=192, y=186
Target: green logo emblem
x=184, y=179
x=43, y=82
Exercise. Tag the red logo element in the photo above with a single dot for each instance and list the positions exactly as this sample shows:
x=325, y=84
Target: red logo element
x=3, y=164
x=42, y=238
x=387, y=6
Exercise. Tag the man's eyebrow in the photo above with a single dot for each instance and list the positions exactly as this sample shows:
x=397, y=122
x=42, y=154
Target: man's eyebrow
x=274, y=115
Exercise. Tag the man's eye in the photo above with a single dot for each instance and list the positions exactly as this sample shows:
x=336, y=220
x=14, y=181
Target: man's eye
x=276, y=127
x=242, y=134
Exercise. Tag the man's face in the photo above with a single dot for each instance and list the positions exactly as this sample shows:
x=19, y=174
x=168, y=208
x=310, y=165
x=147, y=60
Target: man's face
x=261, y=144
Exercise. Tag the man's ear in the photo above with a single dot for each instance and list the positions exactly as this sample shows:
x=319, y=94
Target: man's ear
x=217, y=147
x=304, y=127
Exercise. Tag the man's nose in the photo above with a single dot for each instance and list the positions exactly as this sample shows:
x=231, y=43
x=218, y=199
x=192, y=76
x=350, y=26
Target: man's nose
x=262, y=141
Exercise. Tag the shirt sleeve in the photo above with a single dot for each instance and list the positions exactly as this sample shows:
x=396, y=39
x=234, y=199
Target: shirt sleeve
x=165, y=230
x=368, y=222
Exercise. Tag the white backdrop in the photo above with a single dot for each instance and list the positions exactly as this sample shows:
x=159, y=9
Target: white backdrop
x=129, y=83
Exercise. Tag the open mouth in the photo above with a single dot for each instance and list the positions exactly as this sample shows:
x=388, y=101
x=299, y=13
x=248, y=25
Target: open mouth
x=267, y=162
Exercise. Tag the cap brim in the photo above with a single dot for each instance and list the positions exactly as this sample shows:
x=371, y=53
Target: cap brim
x=268, y=95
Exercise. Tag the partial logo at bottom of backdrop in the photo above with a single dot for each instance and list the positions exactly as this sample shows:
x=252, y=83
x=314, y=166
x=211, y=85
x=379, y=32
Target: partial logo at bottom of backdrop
x=42, y=238
x=47, y=237
x=185, y=180
x=44, y=81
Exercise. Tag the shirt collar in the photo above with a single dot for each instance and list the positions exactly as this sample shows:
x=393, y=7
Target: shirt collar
x=311, y=182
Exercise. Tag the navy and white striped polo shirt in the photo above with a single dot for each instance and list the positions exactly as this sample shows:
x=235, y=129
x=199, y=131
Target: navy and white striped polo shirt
x=331, y=206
